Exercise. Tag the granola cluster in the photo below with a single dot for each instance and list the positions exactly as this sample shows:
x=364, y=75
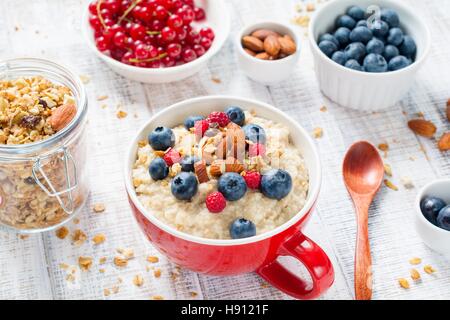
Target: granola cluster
x=26, y=109
x=31, y=110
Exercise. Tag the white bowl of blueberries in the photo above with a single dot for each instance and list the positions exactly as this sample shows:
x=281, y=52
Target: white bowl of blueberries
x=433, y=215
x=367, y=52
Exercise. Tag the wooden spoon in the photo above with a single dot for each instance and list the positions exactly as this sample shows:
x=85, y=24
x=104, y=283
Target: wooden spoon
x=363, y=172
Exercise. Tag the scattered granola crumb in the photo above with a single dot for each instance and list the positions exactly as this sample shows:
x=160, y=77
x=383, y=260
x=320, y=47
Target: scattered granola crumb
x=157, y=297
x=102, y=260
x=264, y=285
x=101, y=270
x=403, y=283
x=407, y=182
x=64, y=266
x=101, y=98
x=85, y=263
x=429, y=269
x=85, y=78
x=301, y=20
x=216, y=80
x=323, y=109
x=318, y=132
x=121, y=114
x=415, y=261
x=115, y=289
x=157, y=273
x=104, y=106
x=415, y=275
x=174, y=276
x=387, y=170
x=310, y=7
x=390, y=185
x=76, y=221
x=99, y=238
x=78, y=237
x=62, y=232
x=24, y=236
x=120, y=262
x=299, y=7
x=128, y=253
x=383, y=147
x=152, y=259
x=138, y=280
x=193, y=294
x=99, y=207
x=106, y=292
x=16, y=28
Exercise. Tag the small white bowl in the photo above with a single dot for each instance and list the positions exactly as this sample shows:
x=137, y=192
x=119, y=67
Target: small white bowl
x=362, y=90
x=267, y=71
x=436, y=238
x=217, y=18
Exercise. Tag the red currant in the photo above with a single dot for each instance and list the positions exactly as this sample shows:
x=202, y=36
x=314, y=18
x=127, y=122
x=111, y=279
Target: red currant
x=175, y=21
x=93, y=7
x=207, y=33
x=193, y=37
x=199, y=50
x=160, y=13
x=157, y=25
x=199, y=14
x=168, y=34
x=127, y=57
x=119, y=39
x=102, y=43
x=187, y=14
x=138, y=32
x=168, y=61
x=112, y=5
x=141, y=51
x=189, y=55
x=181, y=34
x=174, y=50
x=95, y=23
x=206, y=43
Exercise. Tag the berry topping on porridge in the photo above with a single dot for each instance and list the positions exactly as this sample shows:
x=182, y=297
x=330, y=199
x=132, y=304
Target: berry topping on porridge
x=226, y=175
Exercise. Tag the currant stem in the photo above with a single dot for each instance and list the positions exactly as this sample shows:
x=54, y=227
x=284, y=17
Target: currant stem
x=153, y=32
x=162, y=55
x=131, y=7
x=99, y=14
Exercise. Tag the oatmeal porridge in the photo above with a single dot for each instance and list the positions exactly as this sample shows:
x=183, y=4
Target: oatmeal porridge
x=232, y=175
x=31, y=111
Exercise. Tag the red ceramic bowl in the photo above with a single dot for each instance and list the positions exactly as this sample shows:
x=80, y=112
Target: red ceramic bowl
x=259, y=253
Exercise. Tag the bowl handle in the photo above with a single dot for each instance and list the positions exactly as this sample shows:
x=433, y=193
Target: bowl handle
x=316, y=262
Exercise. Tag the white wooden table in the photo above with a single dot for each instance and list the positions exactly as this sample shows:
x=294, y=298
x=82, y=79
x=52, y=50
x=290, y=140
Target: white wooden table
x=29, y=268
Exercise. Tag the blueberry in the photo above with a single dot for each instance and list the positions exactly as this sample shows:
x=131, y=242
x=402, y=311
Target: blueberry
x=362, y=23
x=395, y=36
x=375, y=46
x=375, y=63
x=408, y=48
x=161, y=138
x=390, y=17
x=398, y=62
x=328, y=47
x=345, y=21
x=390, y=52
x=232, y=185
x=158, y=169
x=430, y=207
x=343, y=36
x=184, y=186
x=355, y=51
x=379, y=28
x=361, y=34
x=356, y=13
x=339, y=57
x=353, y=64
x=236, y=115
x=276, y=184
x=254, y=133
x=242, y=228
x=190, y=121
x=187, y=163
x=443, y=219
x=329, y=37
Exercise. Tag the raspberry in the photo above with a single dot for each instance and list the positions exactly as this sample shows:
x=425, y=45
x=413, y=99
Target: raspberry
x=172, y=156
x=253, y=179
x=200, y=127
x=218, y=117
x=215, y=202
x=257, y=149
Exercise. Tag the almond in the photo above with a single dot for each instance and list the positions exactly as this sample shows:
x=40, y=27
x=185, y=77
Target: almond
x=253, y=43
x=217, y=168
x=287, y=45
x=250, y=52
x=263, y=56
x=233, y=165
x=62, y=116
x=422, y=127
x=448, y=110
x=200, y=171
x=272, y=45
x=262, y=34
x=444, y=142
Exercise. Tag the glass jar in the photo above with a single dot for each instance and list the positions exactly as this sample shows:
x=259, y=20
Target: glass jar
x=44, y=184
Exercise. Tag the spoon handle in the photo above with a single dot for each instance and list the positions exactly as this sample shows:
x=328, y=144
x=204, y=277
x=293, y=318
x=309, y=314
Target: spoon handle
x=363, y=260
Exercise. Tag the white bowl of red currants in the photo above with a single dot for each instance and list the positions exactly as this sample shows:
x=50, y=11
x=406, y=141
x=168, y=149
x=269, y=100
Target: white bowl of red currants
x=433, y=215
x=156, y=41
